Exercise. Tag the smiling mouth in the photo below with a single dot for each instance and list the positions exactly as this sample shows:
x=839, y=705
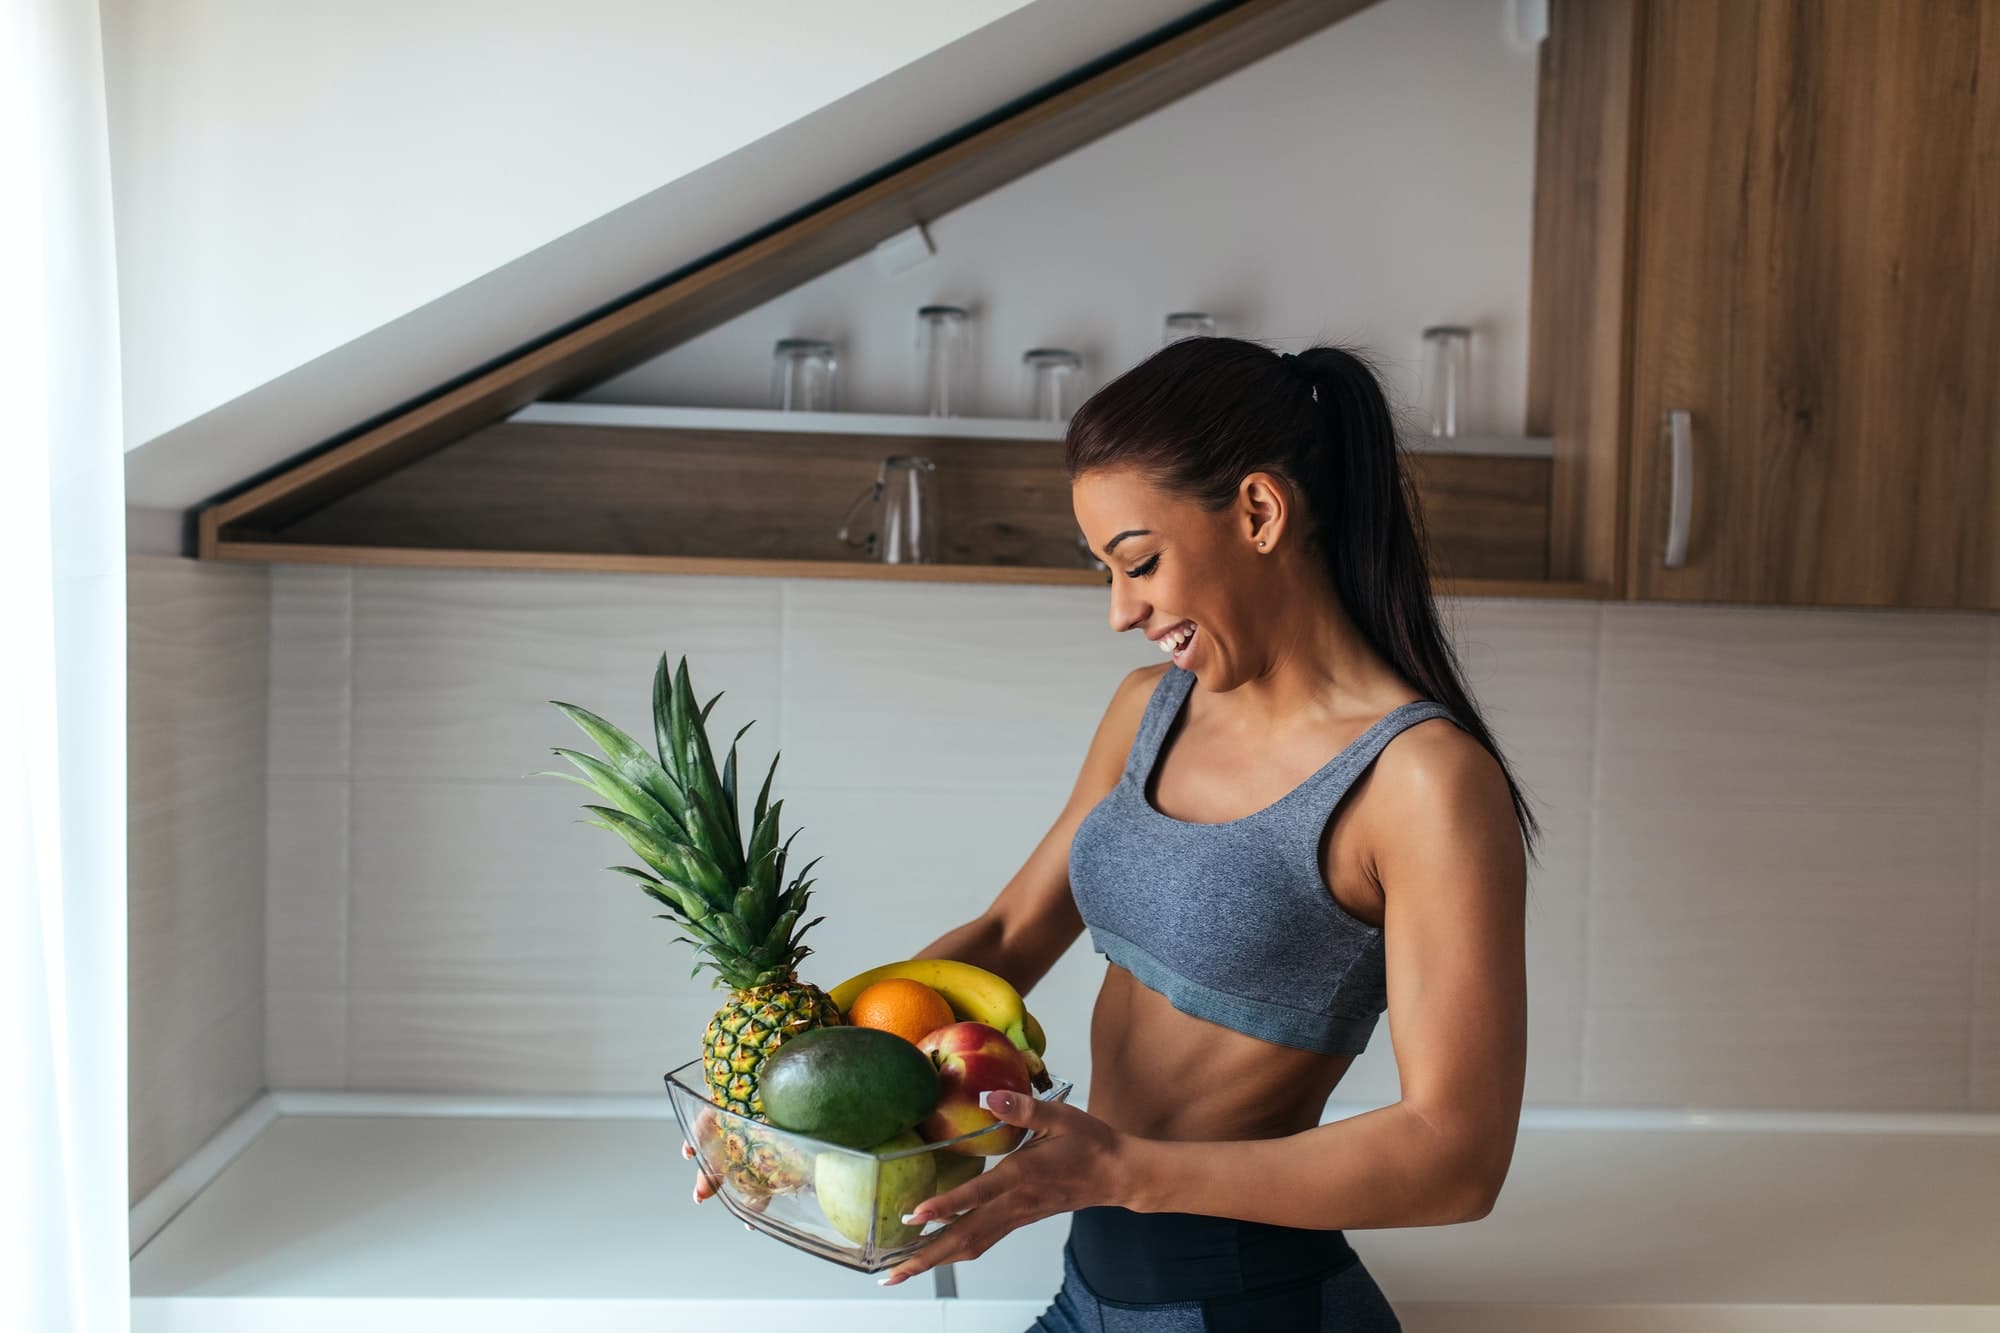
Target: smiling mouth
x=1177, y=641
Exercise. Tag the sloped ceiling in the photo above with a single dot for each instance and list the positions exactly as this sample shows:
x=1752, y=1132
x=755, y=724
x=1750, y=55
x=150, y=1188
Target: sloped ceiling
x=673, y=226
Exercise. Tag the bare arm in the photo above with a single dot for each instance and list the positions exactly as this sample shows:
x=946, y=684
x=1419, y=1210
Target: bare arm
x=1453, y=874
x=1034, y=919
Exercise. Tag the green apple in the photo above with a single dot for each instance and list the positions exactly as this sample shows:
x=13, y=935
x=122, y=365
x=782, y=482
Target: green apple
x=847, y=1183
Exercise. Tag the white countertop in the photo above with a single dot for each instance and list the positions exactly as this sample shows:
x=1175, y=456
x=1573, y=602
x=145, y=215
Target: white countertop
x=586, y=1222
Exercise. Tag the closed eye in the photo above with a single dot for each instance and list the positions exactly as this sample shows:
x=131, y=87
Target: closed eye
x=1141, y=571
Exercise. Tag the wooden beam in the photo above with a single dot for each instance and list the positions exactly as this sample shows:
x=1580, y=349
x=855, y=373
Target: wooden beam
x=656, y=320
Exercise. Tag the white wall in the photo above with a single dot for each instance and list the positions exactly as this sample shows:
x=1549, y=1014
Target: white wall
x=290, y=177
x=1761, y=887
x=1358, y=185
x=197, y=670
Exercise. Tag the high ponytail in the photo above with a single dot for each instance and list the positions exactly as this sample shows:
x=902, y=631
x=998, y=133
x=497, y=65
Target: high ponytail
x=1201, y=414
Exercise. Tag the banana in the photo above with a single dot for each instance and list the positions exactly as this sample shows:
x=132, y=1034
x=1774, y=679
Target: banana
x=1038, y=1040
x=974, y=994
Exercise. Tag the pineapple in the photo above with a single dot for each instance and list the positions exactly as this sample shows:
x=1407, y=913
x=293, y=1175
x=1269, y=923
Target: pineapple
x=682, y=820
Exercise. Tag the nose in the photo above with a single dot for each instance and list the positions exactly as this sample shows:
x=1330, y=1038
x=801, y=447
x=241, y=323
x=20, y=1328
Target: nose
x=1128, y=609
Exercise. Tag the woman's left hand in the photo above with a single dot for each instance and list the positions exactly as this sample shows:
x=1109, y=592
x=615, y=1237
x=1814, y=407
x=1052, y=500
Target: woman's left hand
x=1073, y=1161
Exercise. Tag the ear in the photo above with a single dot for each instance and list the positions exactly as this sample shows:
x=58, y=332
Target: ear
x=1263, y=509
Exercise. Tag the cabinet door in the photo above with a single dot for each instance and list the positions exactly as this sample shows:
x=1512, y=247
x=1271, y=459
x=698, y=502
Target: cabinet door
x=1817, y=286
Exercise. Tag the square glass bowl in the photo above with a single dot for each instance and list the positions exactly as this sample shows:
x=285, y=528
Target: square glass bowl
x=842, y=1204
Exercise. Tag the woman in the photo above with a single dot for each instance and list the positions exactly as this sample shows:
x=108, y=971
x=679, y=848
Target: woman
x=1254, y=514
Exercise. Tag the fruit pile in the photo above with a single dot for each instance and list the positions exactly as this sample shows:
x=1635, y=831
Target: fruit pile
x=889, y=1060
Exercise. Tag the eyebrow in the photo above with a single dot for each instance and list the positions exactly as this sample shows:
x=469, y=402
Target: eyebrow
x=1112, y=545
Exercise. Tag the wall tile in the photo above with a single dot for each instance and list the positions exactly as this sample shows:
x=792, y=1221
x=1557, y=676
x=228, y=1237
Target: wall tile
x=188, y=1083
x=312, y=610
x=453, y=671
x=305, y=884
x=1985, y=1055
x=497, y=887
x=305, y=1040
x=907, y=685
x=1781, y=936
x=1773, y=1057
x=900, y=868
x=1866, y=710
x=493, y=1042
x=1532, y=667
x=195, y=820
x=196, y=667
x=1689, y=814
x=195, y=916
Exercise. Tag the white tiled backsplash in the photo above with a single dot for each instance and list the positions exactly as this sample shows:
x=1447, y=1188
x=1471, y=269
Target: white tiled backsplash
x=1769, y=877
x=195, y=907
x=1761, y=884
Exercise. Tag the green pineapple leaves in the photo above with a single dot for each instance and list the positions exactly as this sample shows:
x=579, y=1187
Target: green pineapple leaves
x=682, y=818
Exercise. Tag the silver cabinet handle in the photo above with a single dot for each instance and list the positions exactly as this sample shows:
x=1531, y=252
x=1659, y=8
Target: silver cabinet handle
x=1680, y=505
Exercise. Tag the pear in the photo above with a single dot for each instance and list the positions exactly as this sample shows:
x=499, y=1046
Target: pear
x=847, y=1184
x=954, y=1169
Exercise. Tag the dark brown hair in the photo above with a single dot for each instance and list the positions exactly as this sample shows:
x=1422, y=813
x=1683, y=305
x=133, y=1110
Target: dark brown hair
x=1201, y=414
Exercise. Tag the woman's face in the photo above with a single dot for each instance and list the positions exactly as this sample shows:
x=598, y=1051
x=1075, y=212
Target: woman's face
x=1187, y=579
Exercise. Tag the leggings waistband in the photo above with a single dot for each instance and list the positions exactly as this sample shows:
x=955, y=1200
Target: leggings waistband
x=1147, y=1258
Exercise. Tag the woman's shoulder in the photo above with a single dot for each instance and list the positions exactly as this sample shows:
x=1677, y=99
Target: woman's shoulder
x=1434, y=768
x=1143, y=681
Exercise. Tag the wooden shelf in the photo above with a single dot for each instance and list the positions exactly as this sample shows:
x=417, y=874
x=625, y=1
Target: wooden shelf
x=748, y=493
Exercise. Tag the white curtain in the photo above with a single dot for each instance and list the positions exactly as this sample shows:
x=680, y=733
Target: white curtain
x=63, y=1261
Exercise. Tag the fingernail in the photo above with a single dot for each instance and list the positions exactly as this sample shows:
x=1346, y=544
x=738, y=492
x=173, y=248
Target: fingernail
x=992, y=1100
x=885, y=1280
x=912, y=1219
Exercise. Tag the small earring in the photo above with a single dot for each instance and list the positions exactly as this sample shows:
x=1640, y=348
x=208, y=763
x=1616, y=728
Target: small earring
x=1260, y=546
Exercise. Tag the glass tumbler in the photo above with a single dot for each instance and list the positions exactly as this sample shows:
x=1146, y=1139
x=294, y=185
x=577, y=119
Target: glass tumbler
x=902, y=513
x=1187, y=324
x=1053, y=374
x=1447, y=350
x=944, y=359
x=802, y=375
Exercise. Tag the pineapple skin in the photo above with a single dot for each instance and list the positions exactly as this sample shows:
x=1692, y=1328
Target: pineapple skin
x=751, y=1025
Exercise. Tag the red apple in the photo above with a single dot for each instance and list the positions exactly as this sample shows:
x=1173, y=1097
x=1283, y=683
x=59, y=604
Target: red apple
x=972, y=1058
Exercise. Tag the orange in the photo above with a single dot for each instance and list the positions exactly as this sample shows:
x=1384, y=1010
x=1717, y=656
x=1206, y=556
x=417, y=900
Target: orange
x=910, y=1009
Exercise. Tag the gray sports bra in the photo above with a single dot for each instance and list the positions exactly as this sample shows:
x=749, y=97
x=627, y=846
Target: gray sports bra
x=1233, y=922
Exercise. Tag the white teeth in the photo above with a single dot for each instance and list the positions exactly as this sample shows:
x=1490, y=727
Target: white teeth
x=1174, y=640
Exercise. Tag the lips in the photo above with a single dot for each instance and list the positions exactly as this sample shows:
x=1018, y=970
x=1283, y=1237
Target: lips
x=1177, y=640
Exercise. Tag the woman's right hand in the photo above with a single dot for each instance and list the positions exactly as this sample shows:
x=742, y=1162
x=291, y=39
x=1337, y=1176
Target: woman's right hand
x=705, y=1128
x=709, y=1131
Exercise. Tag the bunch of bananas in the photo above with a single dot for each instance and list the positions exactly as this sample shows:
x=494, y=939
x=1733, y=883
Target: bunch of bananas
x=975, y=996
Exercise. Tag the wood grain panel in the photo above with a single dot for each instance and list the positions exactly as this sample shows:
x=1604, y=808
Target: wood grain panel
x=1818, y=284
x=1484, y=517
x=776, y=497
x=652, y=492
x=1578, y=329
x=767, y=265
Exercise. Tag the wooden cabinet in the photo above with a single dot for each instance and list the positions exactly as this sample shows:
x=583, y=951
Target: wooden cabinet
x=1816, y=285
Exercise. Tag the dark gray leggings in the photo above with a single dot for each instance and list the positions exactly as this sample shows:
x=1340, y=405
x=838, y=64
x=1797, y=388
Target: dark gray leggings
x=1175, y=1273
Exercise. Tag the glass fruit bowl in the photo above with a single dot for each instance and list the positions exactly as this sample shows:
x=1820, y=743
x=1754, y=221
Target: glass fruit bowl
x=842, y=1204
